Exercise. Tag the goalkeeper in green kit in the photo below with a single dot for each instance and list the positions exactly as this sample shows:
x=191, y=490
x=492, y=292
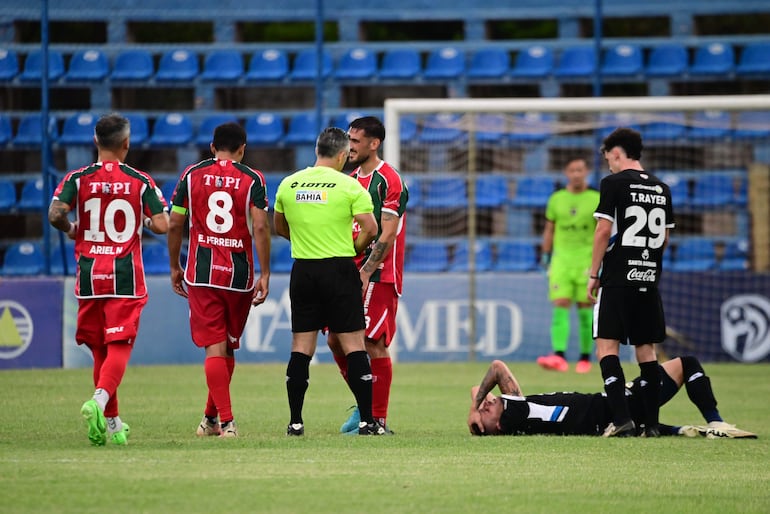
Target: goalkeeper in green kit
x=566, y=254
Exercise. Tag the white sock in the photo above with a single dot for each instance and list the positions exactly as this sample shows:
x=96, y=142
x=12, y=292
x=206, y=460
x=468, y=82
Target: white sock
x=114, y=424
x=102, y=397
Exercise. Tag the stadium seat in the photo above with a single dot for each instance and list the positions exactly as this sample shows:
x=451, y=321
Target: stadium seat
x=155, y=258
x=532, y=127
x=33, y=65
x=167, y=188
x=461, y=256
x=271, y=64
x=305, y=65
x=61, y=258
x=303, y=128
x=205, y=132
x=609, y=121
x=427, y=257
x=272, y=181
x=407, y=128
x=713, y=59
x=710, y=125
x=31, y=196
x=680, y=189
x=755, y=59
x=7, y=195
x=223, y=66
x=445, y=63
x=491, y=128
x=535, y=62
x=735, y=255
x=622, y=60
x=665, y=126
x=281, y=260
x=9, y=64
x=78, y=129
x=28, y=133
x=694, y=254
x=414, y=186
x=667, y=60
x=6, y=132
x=177, y=66
x=489, y=63
x=23, y=258
x=441, y=128
x=752, y=124
x=139, y=128
x=576, y=61
x=741, y=197
x=444, y=193
x=264, y=129
x=133, y=65
x=173, y=129
x=533, y=191
x=491, y=191
x=343, y=120
x=713, y=190
x=356, y=63
x=400, y=64
x=88, y=65
x=515, y=256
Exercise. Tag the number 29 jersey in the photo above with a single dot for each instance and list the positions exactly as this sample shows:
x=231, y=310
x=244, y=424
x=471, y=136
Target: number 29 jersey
x=639, y=206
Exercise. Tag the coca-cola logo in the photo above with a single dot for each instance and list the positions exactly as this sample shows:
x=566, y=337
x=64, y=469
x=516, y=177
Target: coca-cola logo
x=647, y=275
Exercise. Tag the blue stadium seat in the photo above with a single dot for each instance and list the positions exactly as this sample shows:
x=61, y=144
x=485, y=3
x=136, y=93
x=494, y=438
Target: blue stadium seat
x=667, y=60
x=272, y=181
x=532, y=127
x=139, y=128
x=281, y=260
x=667, y=126
x=710, y=124
x=713, y=190
x=6, y=132
x=445, y=63
x=533, y=191
x=31, y=196
x=489, y=63
x=414, y=186
x=223, y=66
x=752, y=124
x=427, y=257
x=735, y=256
x=609, y=121
x=444, y=193
x=33, y=65
x=7, y=195
x=133, y=65
x=694, y=254
x=441, y=128
x=9, y=64
x=167, y=188
x=741, y=197
x=177, y=66
x=713, y=59
x=356, y=63
x=514, y=255
x=173, y=129
x=400, y=64
x=535, y=62
x=755, y=59
x=576, y=61
x=407, y=128
x=491, y=128
x=491, y=191
x=271, y=64
x=88, y=65
x=622, y=60
x=343, y=120
x=205, y=132
x=155, y=258
x=305, y=65
x=63, y=257
x=303, y=128
x=680, y=189
x=482, y=250
x=78, y=129
x=264, y=129
x=23, y=258
x=28, y=133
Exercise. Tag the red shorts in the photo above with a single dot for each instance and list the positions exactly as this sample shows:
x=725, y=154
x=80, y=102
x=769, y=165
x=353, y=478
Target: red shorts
x=218, y=315
x=106, y=320
x=380, y=305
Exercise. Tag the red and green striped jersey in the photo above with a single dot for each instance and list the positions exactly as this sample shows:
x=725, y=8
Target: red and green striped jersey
x=110, y=200
x=217, y=196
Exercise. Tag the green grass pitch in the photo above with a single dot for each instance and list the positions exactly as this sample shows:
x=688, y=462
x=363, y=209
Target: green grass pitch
x=430, y=465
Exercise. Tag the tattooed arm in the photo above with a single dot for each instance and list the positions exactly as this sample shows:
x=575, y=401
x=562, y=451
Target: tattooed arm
x=57, y=217
x=388, y=230
x=498, y=375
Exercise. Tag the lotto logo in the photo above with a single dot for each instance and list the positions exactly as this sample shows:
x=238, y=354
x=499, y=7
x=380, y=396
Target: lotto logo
x=745, y=321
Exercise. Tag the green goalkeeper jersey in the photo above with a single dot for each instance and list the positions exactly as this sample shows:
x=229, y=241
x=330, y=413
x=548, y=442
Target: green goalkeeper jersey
x=573, y=217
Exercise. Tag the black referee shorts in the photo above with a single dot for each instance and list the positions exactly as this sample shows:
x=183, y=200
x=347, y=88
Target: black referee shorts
x=326, y=293
x=630, y=315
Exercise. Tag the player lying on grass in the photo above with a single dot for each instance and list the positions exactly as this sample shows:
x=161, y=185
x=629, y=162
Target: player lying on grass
x=570, y=413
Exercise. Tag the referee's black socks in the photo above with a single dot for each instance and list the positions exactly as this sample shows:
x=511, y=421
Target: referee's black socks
x=615, y=387
x=297, y=377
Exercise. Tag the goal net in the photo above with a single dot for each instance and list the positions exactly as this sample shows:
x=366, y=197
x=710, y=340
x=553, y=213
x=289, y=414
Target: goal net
x=480, y=172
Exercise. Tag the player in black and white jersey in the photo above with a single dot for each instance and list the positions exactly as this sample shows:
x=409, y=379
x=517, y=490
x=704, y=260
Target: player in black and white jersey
x=571, y=413
x=634, y=217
